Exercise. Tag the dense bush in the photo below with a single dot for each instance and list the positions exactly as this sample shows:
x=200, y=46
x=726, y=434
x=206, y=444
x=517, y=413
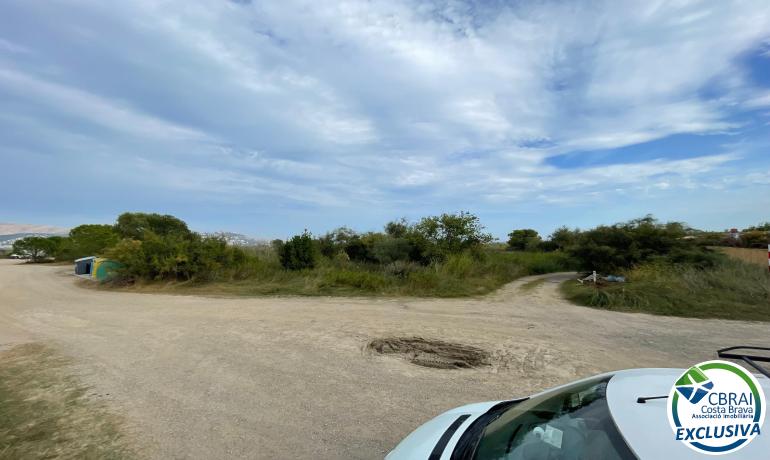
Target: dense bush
x=523, y=240
x=390, y=250
x=695, y=257
x=162, y=247
x=622, y=246
x=563, y=237
x=430, y=240
x=173, y=257
x=336, y=241
x=299, y=252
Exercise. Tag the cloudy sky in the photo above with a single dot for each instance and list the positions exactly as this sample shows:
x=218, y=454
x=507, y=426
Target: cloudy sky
x=267, y=117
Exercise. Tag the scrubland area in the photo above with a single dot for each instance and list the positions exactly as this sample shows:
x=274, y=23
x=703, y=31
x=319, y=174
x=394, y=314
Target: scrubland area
x=669, y=267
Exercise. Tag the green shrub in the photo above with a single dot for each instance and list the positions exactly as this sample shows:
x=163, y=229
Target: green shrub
x=695, y=257
x=523, y=240
x=172, y=257
x=131, y=255
x=459, y=265
x=299, y=253
x=563, y=237
x=389, y=250
x=622, y=246
x=358, y=250
x=335, y=241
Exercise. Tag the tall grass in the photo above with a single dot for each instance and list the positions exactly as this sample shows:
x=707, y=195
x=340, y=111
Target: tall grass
x=459, y=275
x=731, y=290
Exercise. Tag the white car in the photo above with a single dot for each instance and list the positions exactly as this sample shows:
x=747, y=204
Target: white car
x=612, y=416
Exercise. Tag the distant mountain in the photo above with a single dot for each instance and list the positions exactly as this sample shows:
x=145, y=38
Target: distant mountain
x=9, y=232
x=236, y=239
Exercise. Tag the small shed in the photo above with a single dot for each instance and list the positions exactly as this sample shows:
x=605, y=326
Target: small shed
x=95, y=268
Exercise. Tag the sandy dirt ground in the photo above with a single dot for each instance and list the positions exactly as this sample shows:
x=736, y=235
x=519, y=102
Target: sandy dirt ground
x=291, y=377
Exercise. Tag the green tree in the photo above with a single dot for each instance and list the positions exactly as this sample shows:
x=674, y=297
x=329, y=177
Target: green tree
x=621, y=246
x=563, y=237
x=88, y=240
x=299, y=252
x=36, y=248
x=276, y=245
x=397, y=228
x=452, y=233
x=335, y=241
x=136, y=225
x=524, y=239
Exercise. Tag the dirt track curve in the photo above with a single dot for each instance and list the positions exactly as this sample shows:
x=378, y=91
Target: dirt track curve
x=292, y=377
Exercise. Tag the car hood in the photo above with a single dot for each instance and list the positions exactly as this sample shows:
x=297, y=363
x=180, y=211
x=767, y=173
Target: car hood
x=422, y=441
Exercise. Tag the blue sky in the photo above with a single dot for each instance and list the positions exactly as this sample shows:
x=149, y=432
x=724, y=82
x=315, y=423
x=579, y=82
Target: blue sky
x=270, y=117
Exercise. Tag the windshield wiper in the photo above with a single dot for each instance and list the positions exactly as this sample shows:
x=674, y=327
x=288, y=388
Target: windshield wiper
x=644, y=399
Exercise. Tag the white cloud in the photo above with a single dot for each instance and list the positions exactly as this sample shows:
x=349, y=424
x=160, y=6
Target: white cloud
x=391, y=101
x=95, y=109
x=758, y=100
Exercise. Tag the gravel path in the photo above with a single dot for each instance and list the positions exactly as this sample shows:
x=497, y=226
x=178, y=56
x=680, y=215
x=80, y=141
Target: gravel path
x=292, y=377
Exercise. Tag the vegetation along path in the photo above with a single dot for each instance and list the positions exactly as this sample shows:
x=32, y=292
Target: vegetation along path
x=296, y=377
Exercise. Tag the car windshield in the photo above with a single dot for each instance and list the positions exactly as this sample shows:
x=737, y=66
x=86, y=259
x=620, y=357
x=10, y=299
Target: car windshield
x=571, y=423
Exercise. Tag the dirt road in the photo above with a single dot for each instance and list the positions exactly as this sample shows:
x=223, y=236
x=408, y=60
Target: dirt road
x=290, y=377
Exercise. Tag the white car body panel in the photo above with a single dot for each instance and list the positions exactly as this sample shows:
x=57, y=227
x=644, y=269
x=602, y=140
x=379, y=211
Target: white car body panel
x=644, y=427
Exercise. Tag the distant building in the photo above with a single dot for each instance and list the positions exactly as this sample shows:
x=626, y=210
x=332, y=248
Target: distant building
x=734, y=234
x=95, y=268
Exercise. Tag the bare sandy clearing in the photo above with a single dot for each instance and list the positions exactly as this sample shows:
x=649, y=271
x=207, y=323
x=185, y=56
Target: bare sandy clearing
x=289, y=377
